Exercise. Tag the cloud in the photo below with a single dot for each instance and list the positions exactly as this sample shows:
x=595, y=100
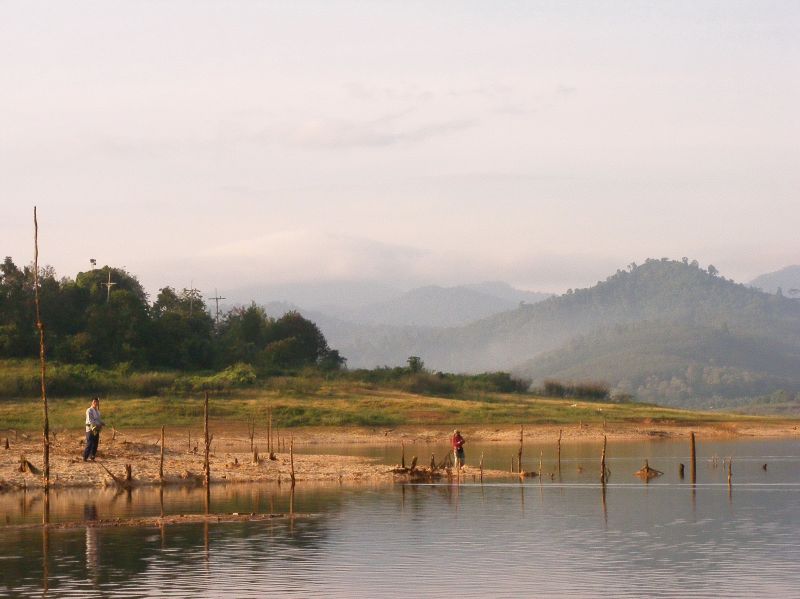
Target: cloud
x=381, y=132
x=304, y=255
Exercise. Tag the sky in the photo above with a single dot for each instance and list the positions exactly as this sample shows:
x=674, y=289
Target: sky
x=546, y=144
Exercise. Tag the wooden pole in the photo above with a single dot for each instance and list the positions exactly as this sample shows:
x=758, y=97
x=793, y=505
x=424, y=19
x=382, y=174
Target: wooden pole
x=403, y=455
x=730, y=471
x=559, y=451
x=694, y=458
x=269, y=430
x=603, y=461
x=481, y=467
x=291, y=458
x=161, y=463
x=519, y=453
x=206, y=465
x=42, y=362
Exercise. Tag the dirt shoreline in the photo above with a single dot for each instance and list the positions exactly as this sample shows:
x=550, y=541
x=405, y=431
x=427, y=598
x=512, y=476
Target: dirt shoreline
x=232, y=460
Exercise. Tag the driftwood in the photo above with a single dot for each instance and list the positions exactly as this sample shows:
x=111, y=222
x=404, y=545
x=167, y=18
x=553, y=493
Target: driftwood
x=26, y=466
x=123, y=484
x=646, y=472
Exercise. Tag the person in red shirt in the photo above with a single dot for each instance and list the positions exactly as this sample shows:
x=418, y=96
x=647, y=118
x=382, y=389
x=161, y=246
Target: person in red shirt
x=457, y=443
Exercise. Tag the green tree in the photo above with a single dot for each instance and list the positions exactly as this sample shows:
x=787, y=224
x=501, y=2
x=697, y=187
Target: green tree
x=181, y=331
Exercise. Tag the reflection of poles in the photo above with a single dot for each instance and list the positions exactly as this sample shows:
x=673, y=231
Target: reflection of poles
x=161, y=524
x=291, y=508
x=46, y=507
x=730, y=477
x=604, y=479
x=205, y=541
x=45, y=555
x=40, y=326
x=45, y=539
x=605, y=507
x=603, y=472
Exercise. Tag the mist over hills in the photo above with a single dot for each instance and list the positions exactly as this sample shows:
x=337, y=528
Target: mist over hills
x=365, y=303
x=665, y=331
x=787, y=280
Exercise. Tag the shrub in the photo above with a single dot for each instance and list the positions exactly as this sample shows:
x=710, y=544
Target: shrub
x=587, y=390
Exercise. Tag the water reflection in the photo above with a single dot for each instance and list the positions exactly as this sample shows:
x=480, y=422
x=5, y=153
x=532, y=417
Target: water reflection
x=659, y=538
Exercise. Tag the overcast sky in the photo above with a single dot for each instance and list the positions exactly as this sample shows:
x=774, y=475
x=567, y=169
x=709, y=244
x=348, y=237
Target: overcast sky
x=541, y=143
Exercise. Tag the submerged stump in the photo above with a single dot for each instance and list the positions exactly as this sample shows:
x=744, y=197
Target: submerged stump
x=647, y=472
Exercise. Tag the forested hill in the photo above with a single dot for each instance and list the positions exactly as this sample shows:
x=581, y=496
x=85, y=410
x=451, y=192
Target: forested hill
x=666, y=298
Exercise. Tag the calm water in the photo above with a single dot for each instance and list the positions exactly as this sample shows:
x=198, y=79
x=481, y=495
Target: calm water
x=504, y=539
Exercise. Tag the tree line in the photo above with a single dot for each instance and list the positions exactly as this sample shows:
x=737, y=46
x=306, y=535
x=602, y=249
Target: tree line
x=103, y=316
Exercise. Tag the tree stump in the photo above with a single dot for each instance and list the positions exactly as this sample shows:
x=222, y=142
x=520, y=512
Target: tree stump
x=647, y=472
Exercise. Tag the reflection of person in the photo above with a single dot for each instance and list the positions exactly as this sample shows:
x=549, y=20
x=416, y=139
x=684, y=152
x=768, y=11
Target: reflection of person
x=457, y=442
x=93, y=425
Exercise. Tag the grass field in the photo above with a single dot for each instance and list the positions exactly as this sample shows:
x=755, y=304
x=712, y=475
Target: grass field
x=341, y=403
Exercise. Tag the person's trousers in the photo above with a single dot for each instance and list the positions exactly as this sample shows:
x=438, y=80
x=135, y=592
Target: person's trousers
x=92, y=441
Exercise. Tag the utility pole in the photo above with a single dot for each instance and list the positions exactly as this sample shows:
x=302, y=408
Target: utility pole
x=108, y=285
x=191, y=297
x=216, y=301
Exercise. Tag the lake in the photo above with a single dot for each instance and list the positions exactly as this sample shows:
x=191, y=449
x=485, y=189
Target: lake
x=555, y=536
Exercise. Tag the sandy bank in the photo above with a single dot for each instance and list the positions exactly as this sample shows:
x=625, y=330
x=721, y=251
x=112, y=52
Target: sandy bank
x=232, y=460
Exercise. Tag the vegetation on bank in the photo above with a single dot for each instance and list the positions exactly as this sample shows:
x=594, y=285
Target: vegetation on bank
x=20, y=379
x=340, y=402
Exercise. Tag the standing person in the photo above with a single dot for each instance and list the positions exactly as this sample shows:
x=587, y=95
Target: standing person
x=93, y=425
x=457, y=442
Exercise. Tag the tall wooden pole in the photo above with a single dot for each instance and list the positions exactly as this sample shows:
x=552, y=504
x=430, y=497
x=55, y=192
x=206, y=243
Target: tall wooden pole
x=559, y=451
x=519, y=455
x=40, y=327
x=694, y=459
x=161, y=463
x=206, y=465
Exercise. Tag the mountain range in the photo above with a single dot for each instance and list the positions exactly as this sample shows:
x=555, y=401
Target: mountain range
x=664, y=331
x=364, y=303
x=785, y=281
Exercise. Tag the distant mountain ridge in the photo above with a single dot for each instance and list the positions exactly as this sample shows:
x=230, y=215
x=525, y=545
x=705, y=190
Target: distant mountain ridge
x=670, y=313
x=431, y=306
x=787, y=280
x=435, y=306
